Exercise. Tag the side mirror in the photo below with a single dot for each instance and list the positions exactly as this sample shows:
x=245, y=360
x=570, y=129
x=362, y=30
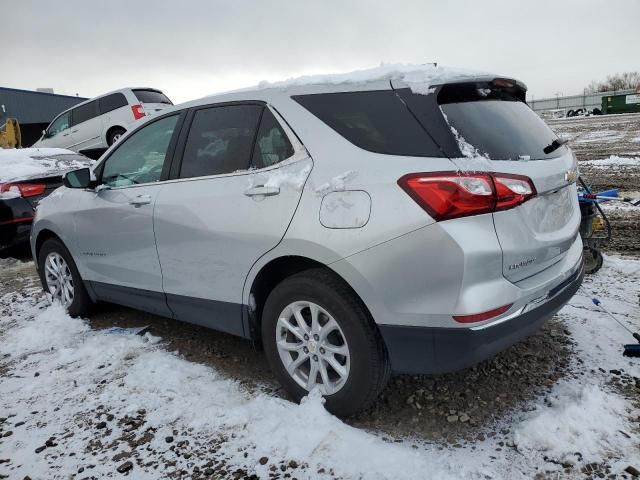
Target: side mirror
x=80, y=178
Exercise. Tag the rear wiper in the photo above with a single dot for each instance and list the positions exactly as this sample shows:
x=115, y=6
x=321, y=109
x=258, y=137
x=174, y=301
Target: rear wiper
x=556, y=144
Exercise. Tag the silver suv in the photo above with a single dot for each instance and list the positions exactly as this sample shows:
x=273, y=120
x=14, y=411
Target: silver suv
x=352, y=229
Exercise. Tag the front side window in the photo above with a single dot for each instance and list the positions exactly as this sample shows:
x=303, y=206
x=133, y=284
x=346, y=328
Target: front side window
x=59, y=124
x=272, y=145
x=85, y=112
x=141, y=157
x=220, y=140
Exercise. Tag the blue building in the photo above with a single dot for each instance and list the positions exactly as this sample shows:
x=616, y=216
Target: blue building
x=34, y=110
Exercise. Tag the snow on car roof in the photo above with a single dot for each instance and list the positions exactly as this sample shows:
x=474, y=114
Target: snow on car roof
x=419, y=78
x=25, y=163
x=425, y=74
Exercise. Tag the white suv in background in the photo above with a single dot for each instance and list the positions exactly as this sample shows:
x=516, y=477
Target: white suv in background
x=101, y=121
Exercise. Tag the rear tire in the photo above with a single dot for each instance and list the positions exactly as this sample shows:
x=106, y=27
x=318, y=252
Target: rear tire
x=114, y=135
x=57, y=269
x=363, y=354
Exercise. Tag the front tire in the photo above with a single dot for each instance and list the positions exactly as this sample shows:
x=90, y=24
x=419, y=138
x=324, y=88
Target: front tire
x=318, y=334
x=61, y=279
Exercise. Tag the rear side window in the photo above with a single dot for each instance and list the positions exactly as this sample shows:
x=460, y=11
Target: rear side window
x=220, y=140
x=85, y=112
x=376, y=121
x=111, y=102
x=272, y=145
x=151, y=96
x=497, y=123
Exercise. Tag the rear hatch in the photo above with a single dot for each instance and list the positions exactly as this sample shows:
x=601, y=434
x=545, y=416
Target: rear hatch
x=491, y=129
x=152, y=101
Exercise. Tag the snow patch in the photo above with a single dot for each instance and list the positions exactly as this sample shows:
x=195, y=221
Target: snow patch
x=612, y=161
x=575, y=419
x=336, y=184
x=23, y=163
x=293, y=176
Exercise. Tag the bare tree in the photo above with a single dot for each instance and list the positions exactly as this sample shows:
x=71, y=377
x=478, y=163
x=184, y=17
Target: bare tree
x=619, y=81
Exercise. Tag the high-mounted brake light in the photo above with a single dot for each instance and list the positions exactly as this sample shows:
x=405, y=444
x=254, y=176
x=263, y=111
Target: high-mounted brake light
x=23, y=189
x=479, y=317
x=447, y=195
x=138, y=111
x=503, y=82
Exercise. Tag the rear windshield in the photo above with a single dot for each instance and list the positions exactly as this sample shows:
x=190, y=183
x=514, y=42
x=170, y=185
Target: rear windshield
x=377, y=121
x=498, y=125
x=151, y=96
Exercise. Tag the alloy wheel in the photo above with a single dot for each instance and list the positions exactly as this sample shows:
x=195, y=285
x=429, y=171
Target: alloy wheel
x=59, y=279
x=313, y=347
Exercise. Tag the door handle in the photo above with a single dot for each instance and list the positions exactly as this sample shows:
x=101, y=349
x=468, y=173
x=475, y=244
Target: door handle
x=140, y=200
x=262, y=190
x=74, y=131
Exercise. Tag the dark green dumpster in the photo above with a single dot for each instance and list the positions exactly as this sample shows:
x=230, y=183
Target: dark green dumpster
x=629, y=103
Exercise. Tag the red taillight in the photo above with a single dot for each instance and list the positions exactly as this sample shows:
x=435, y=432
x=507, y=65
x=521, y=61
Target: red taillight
x=25, y=189
x=479, y=317
x=138, y=111
x=447, y=195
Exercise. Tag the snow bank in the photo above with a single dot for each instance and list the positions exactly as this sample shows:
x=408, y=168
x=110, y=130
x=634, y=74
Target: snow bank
x=29, y=162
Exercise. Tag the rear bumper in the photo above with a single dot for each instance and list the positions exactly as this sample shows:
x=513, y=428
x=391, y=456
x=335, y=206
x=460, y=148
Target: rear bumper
x=420, y=350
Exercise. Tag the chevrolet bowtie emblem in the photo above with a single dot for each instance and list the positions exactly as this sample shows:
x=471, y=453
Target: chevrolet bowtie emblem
x=571, y=175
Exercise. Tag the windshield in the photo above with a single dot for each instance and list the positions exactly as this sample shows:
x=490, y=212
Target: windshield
x=152, y=96
x=502, y=129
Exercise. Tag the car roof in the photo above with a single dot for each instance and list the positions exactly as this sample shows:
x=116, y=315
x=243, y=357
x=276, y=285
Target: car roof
x=120, y=90
x=418, y=77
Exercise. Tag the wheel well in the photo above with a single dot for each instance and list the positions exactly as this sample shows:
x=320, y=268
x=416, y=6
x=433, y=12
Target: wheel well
x=271, y=275
x=111, y=129
x=43, y=236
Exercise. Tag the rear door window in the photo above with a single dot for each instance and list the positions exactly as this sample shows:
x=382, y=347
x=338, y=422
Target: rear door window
x=220, y=140
x=272, y=145
x=85, y=112
x=111, y=102
x=377, y=121
x=151, y=96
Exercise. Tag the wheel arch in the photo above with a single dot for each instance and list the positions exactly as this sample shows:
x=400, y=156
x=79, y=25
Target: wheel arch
x=41, y=237
x=269, y=275
x=110, y=131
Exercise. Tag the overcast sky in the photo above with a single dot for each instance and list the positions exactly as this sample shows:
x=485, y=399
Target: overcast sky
x=191, y=48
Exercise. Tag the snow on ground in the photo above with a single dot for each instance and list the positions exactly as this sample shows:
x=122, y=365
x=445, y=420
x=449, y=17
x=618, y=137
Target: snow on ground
x=612, y=161
x=74, y=377
x=21, y=163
